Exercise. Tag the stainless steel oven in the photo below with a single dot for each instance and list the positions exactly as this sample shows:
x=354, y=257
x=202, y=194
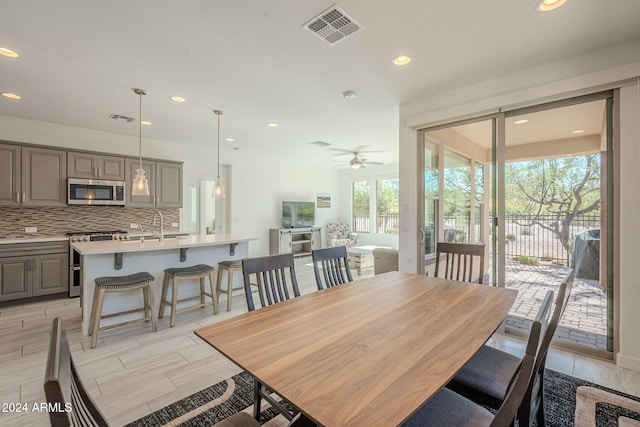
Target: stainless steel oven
x=75, y=260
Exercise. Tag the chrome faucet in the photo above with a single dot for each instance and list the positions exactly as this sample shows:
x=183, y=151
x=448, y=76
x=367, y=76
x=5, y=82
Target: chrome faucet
x=153, y=222
x=142, y=233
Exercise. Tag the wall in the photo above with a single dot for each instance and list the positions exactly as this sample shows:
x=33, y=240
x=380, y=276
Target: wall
x=344, y=215
x=255, y=185
x=599, y=70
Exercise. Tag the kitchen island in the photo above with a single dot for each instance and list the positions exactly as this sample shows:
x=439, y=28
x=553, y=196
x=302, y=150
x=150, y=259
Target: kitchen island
x=120, y=258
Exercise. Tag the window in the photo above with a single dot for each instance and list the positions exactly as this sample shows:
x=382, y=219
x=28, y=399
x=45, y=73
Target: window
x=360, y=206
x=431, y=196
x=478, y=225
x=457, y=198
x=387, y=205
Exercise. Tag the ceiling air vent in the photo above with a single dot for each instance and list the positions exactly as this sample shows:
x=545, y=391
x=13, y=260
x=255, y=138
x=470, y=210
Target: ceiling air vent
x=121, y=117
x=320, y=143
x=332, y=25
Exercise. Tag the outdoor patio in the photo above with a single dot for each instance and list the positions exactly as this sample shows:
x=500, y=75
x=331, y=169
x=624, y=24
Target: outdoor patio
x=585, y=320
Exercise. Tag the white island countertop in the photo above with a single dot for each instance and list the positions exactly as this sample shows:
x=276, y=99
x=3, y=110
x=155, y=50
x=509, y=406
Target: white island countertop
x=181, y=242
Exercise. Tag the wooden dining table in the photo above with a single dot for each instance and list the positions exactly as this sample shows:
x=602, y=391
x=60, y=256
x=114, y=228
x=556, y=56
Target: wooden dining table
x=366, y=353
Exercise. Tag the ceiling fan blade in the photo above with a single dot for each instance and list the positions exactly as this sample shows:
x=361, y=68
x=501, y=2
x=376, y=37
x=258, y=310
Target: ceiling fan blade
x=375, y=163
x=341, y=149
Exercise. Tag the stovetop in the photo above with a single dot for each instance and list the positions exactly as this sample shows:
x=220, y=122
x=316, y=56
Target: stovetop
x=97, y=235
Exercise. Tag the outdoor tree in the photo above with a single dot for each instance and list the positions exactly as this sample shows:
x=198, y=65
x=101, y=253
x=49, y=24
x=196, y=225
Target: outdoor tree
x=563, y=188
x=387, y=205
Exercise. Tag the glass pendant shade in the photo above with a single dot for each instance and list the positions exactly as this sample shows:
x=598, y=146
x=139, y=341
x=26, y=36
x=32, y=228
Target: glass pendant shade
x=218, y=189
x=140, y=184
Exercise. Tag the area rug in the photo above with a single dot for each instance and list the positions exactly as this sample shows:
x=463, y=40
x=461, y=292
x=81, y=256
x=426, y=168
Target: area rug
x=569, y=402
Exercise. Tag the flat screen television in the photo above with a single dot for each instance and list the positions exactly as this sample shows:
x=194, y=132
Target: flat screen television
x=298, y=214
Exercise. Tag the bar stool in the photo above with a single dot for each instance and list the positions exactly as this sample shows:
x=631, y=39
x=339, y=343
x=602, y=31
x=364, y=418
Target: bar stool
x=199, y=271
x=122, y=284
x=230, y=267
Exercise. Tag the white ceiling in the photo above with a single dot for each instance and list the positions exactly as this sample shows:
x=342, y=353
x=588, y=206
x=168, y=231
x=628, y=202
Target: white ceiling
x=252, y=59
x=547, y=125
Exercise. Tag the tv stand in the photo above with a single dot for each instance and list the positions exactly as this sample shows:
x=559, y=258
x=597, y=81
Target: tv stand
x=299, y=241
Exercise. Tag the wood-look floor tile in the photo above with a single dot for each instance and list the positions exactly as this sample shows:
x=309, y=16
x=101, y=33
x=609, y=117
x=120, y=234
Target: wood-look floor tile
x=136, y=378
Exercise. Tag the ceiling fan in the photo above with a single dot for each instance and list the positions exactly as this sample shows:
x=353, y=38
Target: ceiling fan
x=357, y=162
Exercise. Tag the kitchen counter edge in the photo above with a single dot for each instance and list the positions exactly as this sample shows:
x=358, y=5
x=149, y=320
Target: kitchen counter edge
x=13, y=240
x=112, y=246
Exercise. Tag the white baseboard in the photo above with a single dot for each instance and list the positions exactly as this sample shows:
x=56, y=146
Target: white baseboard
x=628, y=362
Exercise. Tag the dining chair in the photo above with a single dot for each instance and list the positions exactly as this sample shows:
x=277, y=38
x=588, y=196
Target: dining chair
x=240, y=419
x=275, y=278
x=485, y=379
x=63, y=388
x=459, y=260
x=331, y=267
x=452, y=409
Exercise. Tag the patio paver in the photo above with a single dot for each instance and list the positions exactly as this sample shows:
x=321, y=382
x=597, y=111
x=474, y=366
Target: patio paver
x=585, y=319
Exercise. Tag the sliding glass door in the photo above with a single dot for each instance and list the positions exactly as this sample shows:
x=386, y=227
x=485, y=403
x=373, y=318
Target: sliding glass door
x=532, y=184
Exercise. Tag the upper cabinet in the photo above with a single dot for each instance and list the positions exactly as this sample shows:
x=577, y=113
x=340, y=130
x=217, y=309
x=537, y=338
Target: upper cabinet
x=165, y=184
x=96, y=166
x=32, y=176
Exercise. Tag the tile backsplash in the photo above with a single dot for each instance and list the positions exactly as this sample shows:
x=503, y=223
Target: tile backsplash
x=58, y=221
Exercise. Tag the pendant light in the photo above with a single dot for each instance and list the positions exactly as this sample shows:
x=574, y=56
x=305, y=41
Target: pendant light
x=218, y=189
x=140, y=186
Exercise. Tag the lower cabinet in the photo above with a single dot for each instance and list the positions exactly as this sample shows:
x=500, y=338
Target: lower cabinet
x=35, y=273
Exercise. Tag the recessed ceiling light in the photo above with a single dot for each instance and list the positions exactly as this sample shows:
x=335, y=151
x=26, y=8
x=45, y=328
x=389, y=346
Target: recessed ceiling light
x=11, y=95
x=549, y=5
x=230, y=139
x=8, y=53
x=401, y=60
x=145, y=122
x=272, y=125
x=313, y=160
x=521, y=121
x=349, y=94
x=577, y=131
x=178, y=99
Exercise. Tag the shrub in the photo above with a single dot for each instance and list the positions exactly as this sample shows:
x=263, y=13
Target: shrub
x=525, y=231
x=524, y=259
x=510, y=237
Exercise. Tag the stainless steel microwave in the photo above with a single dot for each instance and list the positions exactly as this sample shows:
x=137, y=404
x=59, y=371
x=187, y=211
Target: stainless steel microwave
x=95, y=192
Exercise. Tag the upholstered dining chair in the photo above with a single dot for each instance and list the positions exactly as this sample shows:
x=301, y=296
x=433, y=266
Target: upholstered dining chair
x=459, y=261
x=275, y=278
x=448, y=408
x=63, y=387
x=486, y=377
x=331, y=267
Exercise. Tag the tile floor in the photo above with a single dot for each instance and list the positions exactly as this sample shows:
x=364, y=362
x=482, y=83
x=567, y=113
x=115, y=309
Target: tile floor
x=134, y=372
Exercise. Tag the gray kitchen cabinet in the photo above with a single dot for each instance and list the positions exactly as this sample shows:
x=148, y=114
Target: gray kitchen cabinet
x=165, y=184
x=168, y=185
x=15, y=281
x=32, y=176
x=10, y=177
x=95, y=166
x=33, y=269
